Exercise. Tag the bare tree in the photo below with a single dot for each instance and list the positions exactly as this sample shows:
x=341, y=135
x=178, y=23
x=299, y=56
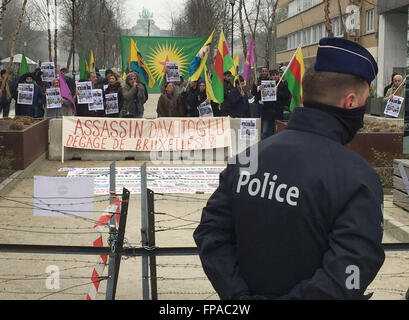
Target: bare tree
x=268, y=18
x=3, y=10
x=242, y=32
x=328, y=25
x=91, y=17
x=16, y=33
x=252, y=27
x=56, y=33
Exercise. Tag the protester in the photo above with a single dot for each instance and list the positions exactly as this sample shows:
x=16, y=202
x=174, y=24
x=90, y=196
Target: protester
x=302, y=218
x=133, y=97
x=228, y=88
x=256, y=92
x=189, y=98
x=240, y=107
x=200, y=98
x=37, y=77
x=170, y=104
x=140, y=83
x=114, y=87
x=397, y=89
x=66, y=109
x=180, y=86
x=34, y=110
x=274, y=110
x=83, y=109
x=386, y=89
x=6, y=97
x=69, y=80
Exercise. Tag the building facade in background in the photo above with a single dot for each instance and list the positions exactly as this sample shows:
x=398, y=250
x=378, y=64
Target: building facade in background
x=381, y=26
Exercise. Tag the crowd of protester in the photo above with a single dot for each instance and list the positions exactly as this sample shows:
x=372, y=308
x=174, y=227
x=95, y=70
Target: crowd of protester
x=177, y=99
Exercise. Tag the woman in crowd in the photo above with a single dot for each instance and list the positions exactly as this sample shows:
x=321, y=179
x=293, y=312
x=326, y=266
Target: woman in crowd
x=114, y=86
x=169, y=104
x=133, y=97
x=34, y=110
x=83, y=109
x=66, y=110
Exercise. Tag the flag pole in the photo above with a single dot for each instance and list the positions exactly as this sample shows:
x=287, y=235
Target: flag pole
x=291, y=61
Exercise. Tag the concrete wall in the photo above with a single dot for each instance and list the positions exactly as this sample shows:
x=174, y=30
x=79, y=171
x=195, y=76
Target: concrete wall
x=392, y=50
x=208, y=157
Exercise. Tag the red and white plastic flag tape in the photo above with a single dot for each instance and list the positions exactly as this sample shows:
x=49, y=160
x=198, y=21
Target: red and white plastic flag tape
x=114, y=208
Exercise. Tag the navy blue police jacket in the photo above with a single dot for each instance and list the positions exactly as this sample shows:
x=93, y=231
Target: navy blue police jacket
x=307, y=224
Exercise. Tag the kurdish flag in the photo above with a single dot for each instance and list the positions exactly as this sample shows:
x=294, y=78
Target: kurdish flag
x=198, y=64
x=294, y=75
x=136, y=63
x=224, y=62
x=156, y=51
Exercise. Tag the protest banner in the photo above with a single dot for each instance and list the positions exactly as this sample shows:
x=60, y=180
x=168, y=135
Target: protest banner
x=269, y=93
x=188, y=180
x=54, y=98
x=172, y=72
x=84, y=92
x=98, y=103
x=25, y=94
x=393, y=106
x=48, y=70
x=163, y=134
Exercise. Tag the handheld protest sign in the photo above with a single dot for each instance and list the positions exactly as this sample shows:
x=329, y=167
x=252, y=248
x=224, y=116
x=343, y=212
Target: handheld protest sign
x=85, y=92
x=172, y=72
x=25, y=94
x=269, y=93
x=111, y=101
x=54, y=98
x=394, y=106
x=48, y=70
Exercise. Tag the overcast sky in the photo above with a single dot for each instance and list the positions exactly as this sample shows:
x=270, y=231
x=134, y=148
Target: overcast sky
x=161, y=10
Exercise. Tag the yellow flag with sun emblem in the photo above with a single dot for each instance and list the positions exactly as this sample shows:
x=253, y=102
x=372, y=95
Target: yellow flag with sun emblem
x=157, y=51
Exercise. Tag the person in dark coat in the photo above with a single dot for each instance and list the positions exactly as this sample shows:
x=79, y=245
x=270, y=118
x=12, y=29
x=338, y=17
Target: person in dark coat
x=302, y=218
x=188, y=99
x=114, y=87
x=256, y=93
x=83, y=109
x=169, y=103
x=35, y=110
x=228, y=104
x=239, y=100
x=274, y=110
x=6, y=95
x=201, y=97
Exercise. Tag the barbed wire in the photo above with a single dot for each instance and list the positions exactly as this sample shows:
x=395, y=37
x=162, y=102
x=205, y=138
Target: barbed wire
x=49, y=232
x=76, y=286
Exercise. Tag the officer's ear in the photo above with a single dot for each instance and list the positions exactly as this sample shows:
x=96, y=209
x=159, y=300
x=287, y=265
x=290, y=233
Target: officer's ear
x=350, y=101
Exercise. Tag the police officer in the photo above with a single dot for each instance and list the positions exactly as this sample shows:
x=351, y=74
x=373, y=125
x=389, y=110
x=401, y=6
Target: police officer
x=308, y=223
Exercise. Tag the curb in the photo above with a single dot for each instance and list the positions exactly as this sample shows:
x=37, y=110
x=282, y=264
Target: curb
x=396, y=229
x=7, y=185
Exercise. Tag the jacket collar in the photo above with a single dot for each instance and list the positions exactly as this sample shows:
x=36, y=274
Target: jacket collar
x=318, y=122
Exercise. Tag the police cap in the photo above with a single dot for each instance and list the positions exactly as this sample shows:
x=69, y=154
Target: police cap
x=345, y=56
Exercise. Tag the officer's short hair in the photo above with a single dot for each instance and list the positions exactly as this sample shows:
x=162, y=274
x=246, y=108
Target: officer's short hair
x=323, y=86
